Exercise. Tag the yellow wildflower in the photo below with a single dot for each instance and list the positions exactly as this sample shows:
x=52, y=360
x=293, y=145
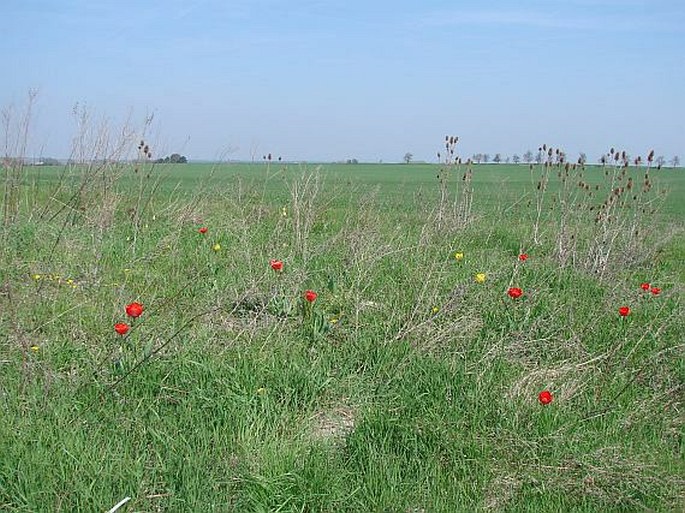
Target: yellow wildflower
x=216, y=247
x=37, y=277
x=459, y=256
x=480, y=278
x=334, y=320
x=436, y=309
x=35, y=349
x=261, y=391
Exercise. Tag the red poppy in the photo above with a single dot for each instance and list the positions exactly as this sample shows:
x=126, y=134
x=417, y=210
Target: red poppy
x=624, y=311
x=310, y=296
x=656, y=291
x=134, y=309
x=644, y=286
x=203, y=230
x=545, y=397
x=276, y=265
x=523, y=257
x=515, y=292
x=121, y=328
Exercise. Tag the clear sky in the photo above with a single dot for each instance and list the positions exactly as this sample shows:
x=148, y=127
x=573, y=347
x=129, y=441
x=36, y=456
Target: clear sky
x=331, y=80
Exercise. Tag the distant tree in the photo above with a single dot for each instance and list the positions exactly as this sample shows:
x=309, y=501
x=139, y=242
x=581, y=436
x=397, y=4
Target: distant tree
x=675, y=161
x=660, y=160
x=486, y=158
x=538, y=157
x=407, y=157
x=352, y=161
x=174, y=158
x=497, y=158
x=517, y=159
x=477, y=158
x=582, y=158
x=507, y=160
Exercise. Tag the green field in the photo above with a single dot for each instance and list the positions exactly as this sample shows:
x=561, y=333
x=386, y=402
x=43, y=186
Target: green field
x=407, y=386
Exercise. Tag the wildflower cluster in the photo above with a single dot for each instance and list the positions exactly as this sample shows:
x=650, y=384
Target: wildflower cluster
x=133, y=310
x=55, y=279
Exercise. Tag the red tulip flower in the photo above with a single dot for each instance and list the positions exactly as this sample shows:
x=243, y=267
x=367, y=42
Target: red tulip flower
x=121, y=328
x=624, y=311
x=203, y=230
x=644, y=286
x=310, y=296
x=545, y=397
x=515, y=292
x=276, y=265
x=134, y=309
x=656, y=291
x=523, y=257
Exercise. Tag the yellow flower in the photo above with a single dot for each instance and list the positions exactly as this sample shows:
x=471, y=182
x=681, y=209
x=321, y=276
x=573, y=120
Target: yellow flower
x=216, y=247
x=35, y=349
x=436, y=309
x=37, y=277
x=127, y=270
x=284, y=212
x=261, y=391
x=334, y=320
x=480, y=278
x=459, y=256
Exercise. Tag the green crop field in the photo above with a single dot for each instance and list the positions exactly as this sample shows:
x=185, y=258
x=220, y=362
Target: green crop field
x=447, y=299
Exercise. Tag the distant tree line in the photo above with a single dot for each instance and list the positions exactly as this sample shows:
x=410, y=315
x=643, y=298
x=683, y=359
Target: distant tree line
x=174, y=158
x=542, y=156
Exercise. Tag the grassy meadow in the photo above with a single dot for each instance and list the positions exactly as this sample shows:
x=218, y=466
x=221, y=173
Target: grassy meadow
x=410, y=384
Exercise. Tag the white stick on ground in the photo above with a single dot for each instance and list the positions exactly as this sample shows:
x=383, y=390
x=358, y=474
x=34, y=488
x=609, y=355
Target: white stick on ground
x=119, y=504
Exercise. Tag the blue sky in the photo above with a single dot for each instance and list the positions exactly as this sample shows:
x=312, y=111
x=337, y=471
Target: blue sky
x=316, y=80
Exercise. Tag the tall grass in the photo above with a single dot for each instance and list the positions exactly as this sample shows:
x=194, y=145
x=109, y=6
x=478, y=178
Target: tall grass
x=407, y=385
